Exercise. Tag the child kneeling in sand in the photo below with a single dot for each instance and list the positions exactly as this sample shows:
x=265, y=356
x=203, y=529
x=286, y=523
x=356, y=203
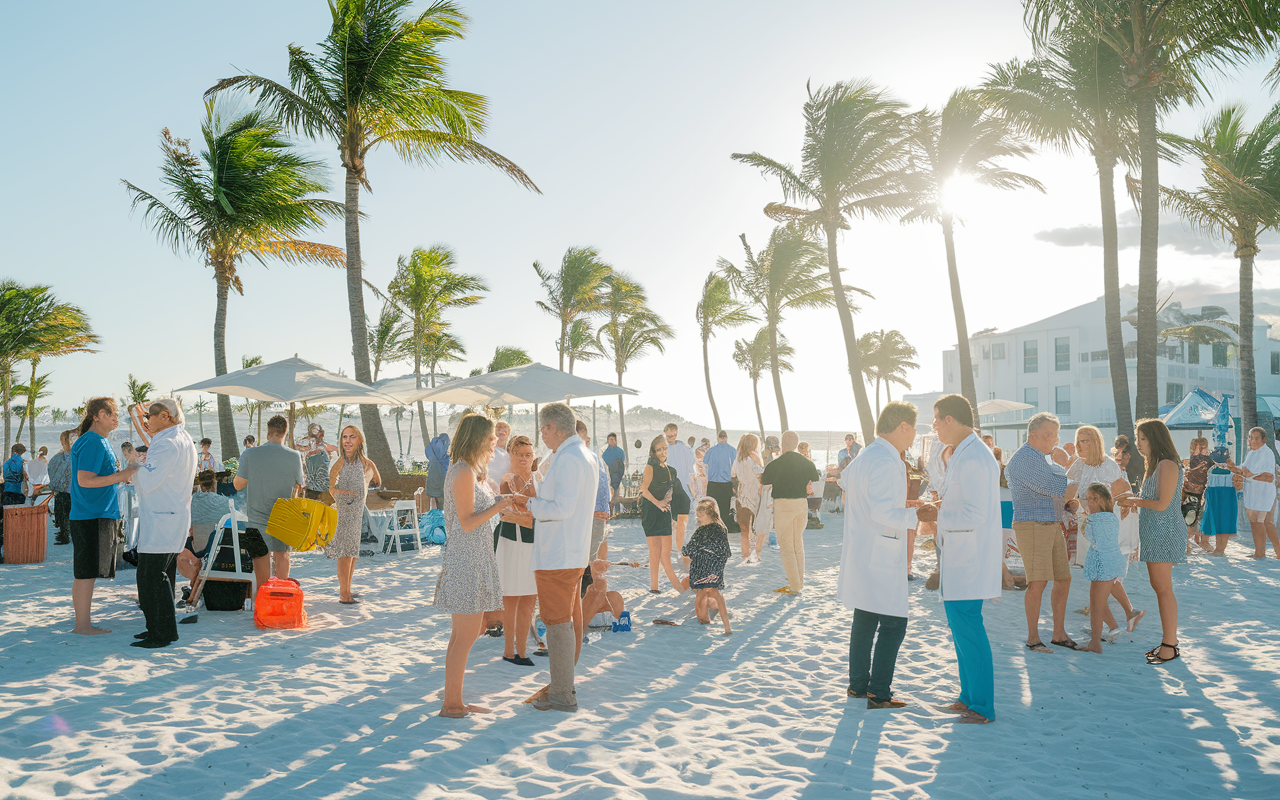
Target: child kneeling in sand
x=708, y=552
x=1104, y=563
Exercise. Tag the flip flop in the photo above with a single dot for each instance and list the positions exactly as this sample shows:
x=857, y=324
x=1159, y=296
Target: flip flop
x=1068, y=643
x=1039, y=647
x=1133, y=621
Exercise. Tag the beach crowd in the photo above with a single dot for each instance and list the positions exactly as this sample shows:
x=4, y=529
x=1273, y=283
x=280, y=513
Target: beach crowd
x=528, y=536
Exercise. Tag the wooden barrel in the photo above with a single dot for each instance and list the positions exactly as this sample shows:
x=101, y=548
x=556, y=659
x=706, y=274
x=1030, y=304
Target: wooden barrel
x=26, y=533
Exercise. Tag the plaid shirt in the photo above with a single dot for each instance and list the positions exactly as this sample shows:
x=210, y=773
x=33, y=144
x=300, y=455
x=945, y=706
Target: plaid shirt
x=1034, y=483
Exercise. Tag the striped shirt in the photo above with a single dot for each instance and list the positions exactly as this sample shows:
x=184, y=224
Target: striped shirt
x=1034, y=483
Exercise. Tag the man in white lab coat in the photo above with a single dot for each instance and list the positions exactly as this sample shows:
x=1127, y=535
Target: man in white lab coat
x=970, y=543
x=164, y=483
x=564, y=511
x=873, y=563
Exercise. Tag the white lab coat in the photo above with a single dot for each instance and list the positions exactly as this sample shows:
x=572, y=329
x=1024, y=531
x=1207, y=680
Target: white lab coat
x=164, y=486
x=565, y=509
x=970, y=539
x=873, y=561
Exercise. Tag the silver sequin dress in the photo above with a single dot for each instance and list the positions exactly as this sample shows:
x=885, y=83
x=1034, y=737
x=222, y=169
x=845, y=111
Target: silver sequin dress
x=469, y=582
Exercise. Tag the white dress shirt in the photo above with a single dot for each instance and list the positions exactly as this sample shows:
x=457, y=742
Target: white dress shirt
x=873, y=561
x=164, y=486
x=970, y=539
x=680, y=457
x=500, y=464
x=565, y=509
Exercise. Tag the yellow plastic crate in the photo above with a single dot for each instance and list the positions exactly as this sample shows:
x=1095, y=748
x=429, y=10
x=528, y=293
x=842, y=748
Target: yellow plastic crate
x=303, y=524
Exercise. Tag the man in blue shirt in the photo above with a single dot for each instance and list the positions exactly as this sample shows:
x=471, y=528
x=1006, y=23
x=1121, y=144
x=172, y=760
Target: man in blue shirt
x=1037, y=486
x=14, y=473
x=615, y=458
x=719, y=463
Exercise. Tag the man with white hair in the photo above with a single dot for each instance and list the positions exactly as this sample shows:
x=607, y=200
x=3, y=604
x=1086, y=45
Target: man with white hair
x=1037, y=487
x=164, y=517
x=564, y=511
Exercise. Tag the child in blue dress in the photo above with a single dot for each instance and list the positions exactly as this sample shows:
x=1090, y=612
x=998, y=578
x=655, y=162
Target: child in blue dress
x=1104, y=564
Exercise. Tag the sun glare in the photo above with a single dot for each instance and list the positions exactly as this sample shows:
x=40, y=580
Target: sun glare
x=960, y=195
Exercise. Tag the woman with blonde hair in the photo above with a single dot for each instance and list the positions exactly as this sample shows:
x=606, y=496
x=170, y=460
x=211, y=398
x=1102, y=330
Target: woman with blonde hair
x=1162, y=529
x=469, y=584
x=747, y=469
x=349, y=480
x=515, y=553
x=1091, y=466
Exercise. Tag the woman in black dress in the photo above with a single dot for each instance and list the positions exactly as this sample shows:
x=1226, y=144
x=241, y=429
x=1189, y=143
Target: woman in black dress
x=656, y=489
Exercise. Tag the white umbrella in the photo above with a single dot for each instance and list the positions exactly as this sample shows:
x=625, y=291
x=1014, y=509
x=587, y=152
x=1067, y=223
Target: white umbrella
x=530, y=383
x=988, y=407
x=293, y=380
x=405, y=387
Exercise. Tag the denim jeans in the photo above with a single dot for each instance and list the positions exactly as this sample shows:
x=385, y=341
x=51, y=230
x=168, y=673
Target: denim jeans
x=874, y=676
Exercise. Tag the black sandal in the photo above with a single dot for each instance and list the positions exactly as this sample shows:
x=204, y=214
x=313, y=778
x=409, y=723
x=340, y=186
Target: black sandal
x=1153, y=657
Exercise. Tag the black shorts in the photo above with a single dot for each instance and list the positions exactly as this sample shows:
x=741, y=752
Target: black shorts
x=252, y=543
x=93, y=543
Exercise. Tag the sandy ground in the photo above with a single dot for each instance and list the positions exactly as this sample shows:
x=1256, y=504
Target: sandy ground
x=347, y=708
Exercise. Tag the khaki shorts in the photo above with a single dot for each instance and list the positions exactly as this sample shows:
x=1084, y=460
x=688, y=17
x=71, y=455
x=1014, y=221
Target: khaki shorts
x=1043, y=550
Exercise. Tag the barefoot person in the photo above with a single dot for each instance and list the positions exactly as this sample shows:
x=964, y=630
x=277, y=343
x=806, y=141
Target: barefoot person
x=657, y=487
x=873, y=575
x=349, y=481
x=747, y=469
x=468, y=585
x=1104, y=564
x=709, y=551
x=95, y=506
x=1162, y=528
x=563, y=510
x=970, y=545
x=1259, y=473
x=1035, y=484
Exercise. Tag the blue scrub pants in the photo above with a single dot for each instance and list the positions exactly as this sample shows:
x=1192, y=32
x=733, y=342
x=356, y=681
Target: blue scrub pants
x=973, y=654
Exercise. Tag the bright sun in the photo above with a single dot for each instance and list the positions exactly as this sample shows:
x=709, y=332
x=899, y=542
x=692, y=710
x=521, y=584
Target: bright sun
x=961, y=195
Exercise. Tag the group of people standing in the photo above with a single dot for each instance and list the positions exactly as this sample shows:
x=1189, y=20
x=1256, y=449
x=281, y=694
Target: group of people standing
x=1119, y=525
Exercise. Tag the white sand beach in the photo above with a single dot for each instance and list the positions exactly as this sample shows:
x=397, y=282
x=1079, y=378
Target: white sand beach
x=347, y=708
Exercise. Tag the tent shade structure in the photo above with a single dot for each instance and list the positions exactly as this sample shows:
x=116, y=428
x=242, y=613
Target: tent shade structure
x=529, y=383
x=405, y=388
x=988, y=407
x=1197, y=411
x=293, y=380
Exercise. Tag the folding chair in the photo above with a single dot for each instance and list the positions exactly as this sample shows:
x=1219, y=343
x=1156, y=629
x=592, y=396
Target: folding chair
x=233, y=524
x=404, y=522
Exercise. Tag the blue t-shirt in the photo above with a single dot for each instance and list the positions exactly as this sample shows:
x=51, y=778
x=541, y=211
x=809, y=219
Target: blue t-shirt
x=615, y=460
x=13, y=474
x=92, y=453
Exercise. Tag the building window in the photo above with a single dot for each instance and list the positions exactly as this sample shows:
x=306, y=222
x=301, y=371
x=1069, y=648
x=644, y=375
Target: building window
x=1031, y=356
x=1062, y=354
x=1193, y=354
x=1099, y=355
x=997, y=351
x=1275, y=363
x=1220, y=354
x=1173, y=394
x=1062, y=401
x=1031, y=397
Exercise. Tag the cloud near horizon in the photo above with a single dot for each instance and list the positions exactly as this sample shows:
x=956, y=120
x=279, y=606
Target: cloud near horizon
x=1173, y=233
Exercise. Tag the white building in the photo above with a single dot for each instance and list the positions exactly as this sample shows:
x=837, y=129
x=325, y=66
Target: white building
x=1060, y=363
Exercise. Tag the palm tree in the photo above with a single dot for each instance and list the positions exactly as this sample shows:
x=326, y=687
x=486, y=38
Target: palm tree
x=35, y=324
x=886, y=357
x=963, y=141
x=631, y=331
x=788, y=274
x=717, y=310
x=754, y=356
x=200, y=406
x=439, y=346
x=34, y=391
x=425, y=286
x=136, y=392
x=387, y=338
x=508, y=357
x=580, y=343
x=1164, y=49
x=1239, y=199
x=379, y=78
x=573, y=291
x=250, y=405
x=248, y=193
x=851, y=165
x=1072, y=97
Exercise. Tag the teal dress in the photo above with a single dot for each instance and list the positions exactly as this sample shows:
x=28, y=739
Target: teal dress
x=654, y=520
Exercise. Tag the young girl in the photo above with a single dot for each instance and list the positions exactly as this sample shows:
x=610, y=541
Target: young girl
x=708, y=550
x=1104, y=564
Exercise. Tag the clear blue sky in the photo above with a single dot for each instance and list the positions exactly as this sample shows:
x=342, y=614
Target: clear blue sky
x=625, y=116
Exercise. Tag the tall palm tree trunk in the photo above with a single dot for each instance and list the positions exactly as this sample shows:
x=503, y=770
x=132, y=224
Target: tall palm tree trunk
x=6, y=380
x=31, y=400
x=564, y=336
x=370, y=420
x=399, y=439
x=777, y=375
x=417, y=384
x=1111, y=304
x=226, y=422
x=755, y=392
x=706, y=372
x=878, y=396
x=1248, y=375
x=850, y=343
x=1148, y=241
x=622, y=423
x=962, y=328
